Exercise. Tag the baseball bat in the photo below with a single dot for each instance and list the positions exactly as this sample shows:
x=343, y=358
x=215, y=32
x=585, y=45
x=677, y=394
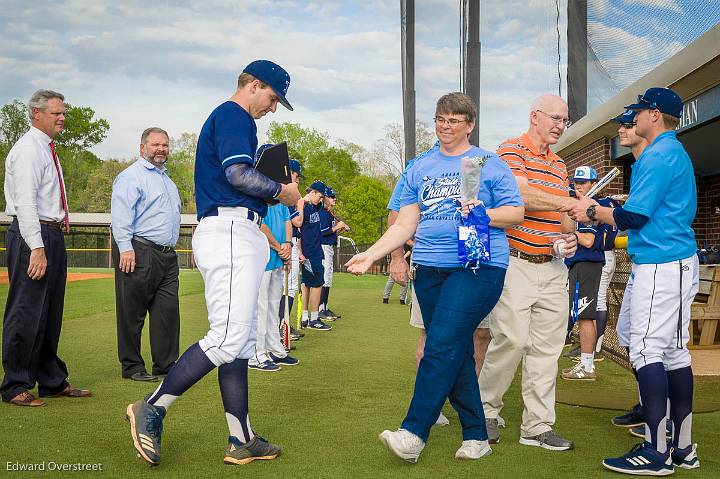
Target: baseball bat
x=299, y=302
x=285, y=324
x=604, y=181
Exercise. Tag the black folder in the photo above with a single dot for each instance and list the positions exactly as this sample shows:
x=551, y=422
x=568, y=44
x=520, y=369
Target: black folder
x=274, y=163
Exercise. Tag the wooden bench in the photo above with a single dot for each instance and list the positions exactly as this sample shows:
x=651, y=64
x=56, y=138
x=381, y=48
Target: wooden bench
x=705, y=312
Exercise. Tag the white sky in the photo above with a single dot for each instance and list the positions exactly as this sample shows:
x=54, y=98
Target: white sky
x=169, y=63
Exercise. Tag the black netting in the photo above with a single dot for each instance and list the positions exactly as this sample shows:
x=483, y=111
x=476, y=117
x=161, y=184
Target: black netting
x=627, y=39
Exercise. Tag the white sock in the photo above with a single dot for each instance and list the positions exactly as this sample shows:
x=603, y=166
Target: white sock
x=236, y=429
x=304, y=316
x=586, y=359
x=598, y=345
x=314, y=316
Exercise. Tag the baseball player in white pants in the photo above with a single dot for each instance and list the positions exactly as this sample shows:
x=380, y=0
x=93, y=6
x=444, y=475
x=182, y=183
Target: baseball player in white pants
x=231, y=254
x=664, y=280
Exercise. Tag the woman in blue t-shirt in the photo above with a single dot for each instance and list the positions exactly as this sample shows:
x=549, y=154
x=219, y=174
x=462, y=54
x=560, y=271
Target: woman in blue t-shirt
x=453, y=298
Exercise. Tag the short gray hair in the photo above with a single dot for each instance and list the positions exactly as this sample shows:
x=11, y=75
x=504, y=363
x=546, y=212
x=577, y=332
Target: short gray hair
x=39, y=99
x=152, y=129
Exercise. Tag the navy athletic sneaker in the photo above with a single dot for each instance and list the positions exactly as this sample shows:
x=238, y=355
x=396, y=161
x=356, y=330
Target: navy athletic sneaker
x=324, y=316
x=286, y=361
x=318, y=325
x=634, y=417
x=686, y=458
x=643, y=460
x=256, y=448
x=146, y=425
x=268, y=366
x=332, y=313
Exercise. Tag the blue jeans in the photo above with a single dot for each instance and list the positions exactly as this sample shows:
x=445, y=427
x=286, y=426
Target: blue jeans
x=453, y=301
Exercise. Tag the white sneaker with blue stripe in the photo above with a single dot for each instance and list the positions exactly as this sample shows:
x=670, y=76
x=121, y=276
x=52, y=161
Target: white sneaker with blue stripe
x=642, y=460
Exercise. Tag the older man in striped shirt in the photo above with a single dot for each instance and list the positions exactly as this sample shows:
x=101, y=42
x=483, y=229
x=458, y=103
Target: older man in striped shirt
x=528, y=323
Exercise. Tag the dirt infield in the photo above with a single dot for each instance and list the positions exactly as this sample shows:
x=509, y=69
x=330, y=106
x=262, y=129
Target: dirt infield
x=70, y=276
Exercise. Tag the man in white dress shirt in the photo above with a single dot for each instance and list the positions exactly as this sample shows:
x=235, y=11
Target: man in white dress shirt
x=37, y=259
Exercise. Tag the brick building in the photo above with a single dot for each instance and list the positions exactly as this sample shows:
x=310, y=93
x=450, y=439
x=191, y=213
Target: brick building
x=694, y=73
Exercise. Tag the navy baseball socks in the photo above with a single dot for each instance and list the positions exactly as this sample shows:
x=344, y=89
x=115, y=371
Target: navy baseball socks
x=680, y=392
x=243, y=445
x=146, y=415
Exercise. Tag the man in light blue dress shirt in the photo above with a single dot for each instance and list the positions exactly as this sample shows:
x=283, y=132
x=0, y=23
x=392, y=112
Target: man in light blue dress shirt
x=145, y=227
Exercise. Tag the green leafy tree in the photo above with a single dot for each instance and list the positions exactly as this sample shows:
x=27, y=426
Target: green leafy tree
x=363, y=207
x=14, y=122
x=82, y=131
x=333, y=166
x=181, y=168
x=302, y=142
x=98, y=197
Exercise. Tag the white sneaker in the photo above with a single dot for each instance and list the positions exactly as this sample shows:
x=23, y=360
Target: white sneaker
x=442, y=420
x=403, y=444
x=473, y=449
x=501, y=422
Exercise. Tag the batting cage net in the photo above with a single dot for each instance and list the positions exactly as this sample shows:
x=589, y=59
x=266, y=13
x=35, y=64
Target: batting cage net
x=628, y=39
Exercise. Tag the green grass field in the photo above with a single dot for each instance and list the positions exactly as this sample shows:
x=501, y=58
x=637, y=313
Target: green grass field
x=326, y=413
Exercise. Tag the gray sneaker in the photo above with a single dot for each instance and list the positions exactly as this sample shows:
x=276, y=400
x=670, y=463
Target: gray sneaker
x=493, y=430
x=548, y=440
x=256, y=448
x=146, y=425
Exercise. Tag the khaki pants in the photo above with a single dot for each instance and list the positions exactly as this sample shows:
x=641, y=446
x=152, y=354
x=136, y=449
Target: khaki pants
x=529, y=324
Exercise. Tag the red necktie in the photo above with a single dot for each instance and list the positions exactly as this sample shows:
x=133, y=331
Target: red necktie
x=63, y=199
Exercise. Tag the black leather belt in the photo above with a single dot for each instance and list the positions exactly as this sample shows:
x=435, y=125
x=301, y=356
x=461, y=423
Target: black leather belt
x=253, y=216
x=531, y=258
x=53, y=224
x=161, y=248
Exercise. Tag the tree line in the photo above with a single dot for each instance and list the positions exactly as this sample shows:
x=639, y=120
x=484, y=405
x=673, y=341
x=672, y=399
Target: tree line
x=362, y=178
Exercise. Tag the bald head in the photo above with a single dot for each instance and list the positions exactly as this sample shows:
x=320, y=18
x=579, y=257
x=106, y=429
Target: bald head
x=548, y=120
x=548, y=101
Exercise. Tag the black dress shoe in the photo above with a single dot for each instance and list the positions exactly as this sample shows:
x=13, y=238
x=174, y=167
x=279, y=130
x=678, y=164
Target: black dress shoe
x=142, y=376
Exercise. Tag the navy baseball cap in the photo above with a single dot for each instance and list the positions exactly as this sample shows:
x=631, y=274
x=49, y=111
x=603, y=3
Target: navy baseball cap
x=296, y=167
x=318, y=186
x=585, y=173
x=274, y=75
x=262, y=148
x=628, y=116
x=663, y=99
x=329, y=192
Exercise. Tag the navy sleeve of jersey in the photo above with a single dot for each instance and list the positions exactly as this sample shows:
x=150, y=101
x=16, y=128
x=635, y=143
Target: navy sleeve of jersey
x=325, y=222
x=629, y=220
x=234, y=133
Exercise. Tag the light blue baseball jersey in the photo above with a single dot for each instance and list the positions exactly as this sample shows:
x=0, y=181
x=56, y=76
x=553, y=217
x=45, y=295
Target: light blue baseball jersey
x=394, y=203
x=275, y=220
x=662, y=187
x=434, y=183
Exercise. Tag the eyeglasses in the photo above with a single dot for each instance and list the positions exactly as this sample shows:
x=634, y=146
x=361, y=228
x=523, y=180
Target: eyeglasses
x=628, y=125
x=439, y=120
x=558, y=120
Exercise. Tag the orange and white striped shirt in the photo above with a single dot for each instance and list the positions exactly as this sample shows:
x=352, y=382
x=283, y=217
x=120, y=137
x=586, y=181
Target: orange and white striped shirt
x=546, y=172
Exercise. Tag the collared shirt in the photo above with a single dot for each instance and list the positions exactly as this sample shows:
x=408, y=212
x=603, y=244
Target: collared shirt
x=275, y=220
x=546, y=172
x=662, y=187
x=146, y=203
x=32, y=185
